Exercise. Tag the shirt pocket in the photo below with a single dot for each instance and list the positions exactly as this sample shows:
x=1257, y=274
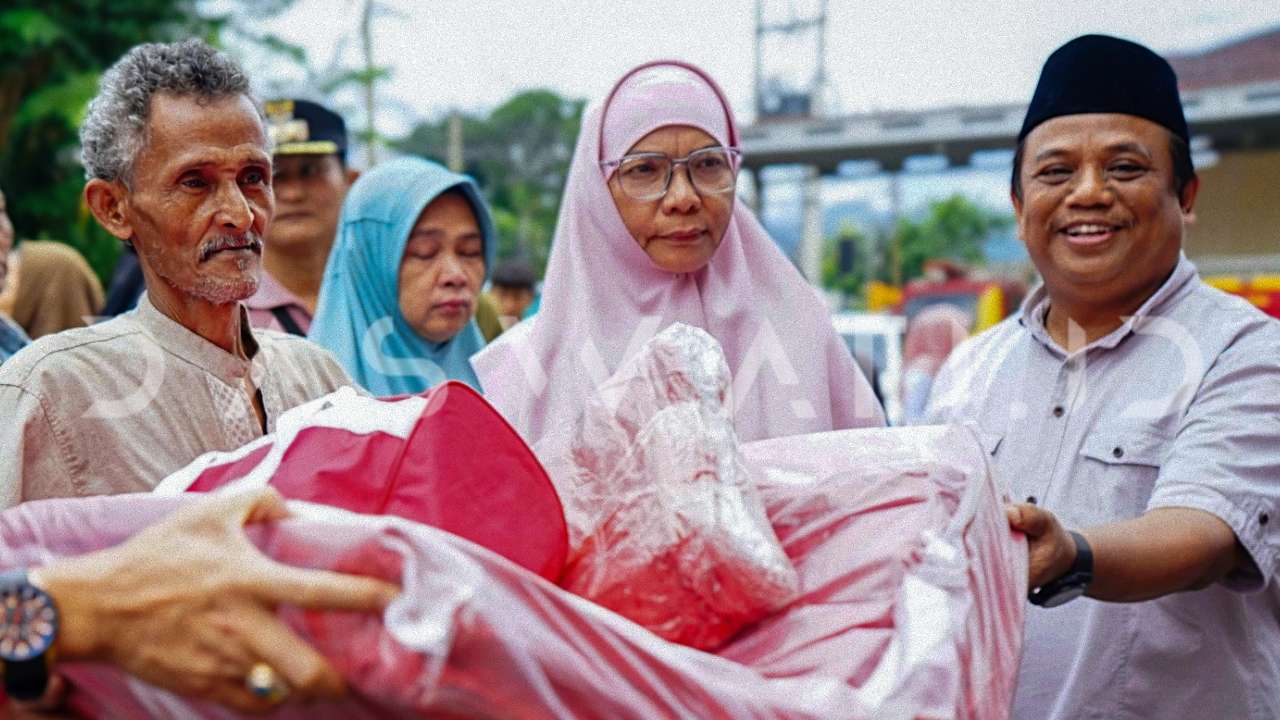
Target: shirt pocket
x=1120, y=463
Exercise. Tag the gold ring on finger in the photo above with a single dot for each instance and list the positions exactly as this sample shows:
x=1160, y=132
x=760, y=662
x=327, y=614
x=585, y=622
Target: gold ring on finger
x=265, y=683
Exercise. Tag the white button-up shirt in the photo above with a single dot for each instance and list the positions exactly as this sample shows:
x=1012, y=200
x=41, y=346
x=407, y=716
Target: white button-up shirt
x=1179, y=407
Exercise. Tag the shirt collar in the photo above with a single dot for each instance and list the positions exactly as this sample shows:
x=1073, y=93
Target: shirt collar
x=178, y=340
x=1036, y=307
x=271, y=294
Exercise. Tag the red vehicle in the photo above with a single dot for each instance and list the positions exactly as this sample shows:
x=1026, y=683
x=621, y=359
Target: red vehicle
x=986, y=300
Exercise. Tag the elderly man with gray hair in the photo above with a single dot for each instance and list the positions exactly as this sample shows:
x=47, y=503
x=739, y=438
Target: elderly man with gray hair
x=179, y=166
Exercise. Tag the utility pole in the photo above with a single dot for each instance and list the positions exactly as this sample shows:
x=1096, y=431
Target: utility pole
x=783, y=97
x=777, y=95
x=454, y=152
x=895, y=239
x=759, y=72
x=370, y=78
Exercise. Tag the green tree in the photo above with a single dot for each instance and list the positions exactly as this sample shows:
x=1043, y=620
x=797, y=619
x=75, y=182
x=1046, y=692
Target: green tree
x=519, y=153
x=364, y=78
x=847, y=264
x=51, y=56
x=954, y=229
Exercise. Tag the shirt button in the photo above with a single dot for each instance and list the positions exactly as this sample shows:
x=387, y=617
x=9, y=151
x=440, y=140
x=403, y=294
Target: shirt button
x=1058, y=410
x=1031, y=499
x=1263, y=519
x=1117, y=452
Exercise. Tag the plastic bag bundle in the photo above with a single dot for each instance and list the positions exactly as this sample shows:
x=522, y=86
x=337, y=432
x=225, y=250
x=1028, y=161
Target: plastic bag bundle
x=914, y=587
x=910, y=606
x=665, y=527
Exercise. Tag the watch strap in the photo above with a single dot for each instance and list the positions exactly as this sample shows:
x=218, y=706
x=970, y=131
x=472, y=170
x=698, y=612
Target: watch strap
x=26, y=680
x=1077, y=577
x=1084, y=555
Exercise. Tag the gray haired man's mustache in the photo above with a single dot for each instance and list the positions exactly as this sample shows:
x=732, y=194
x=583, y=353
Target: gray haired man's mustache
x=212, y=246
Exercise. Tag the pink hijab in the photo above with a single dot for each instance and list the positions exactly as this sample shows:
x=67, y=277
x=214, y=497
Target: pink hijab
x=931, y=336
x=603, y=297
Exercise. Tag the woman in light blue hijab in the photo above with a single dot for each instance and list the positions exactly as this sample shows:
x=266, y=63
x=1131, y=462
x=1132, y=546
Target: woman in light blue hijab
x=415, y=244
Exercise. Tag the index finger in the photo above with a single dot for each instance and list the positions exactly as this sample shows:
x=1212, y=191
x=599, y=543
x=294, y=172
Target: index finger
x=322, y=589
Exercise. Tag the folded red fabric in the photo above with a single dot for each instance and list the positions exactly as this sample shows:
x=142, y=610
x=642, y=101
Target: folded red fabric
x=445, y=459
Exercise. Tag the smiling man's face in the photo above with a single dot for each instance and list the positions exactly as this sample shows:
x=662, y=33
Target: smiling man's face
x=1099, y=212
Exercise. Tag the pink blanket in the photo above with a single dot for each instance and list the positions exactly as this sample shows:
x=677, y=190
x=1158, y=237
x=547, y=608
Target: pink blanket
x=910, y=603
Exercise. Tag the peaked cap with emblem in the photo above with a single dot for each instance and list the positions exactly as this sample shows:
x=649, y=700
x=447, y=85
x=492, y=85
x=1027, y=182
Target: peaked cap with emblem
x=301, y=127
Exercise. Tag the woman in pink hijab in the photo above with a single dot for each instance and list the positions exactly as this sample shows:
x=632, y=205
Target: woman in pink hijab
x=931, y=336
x=650, y=234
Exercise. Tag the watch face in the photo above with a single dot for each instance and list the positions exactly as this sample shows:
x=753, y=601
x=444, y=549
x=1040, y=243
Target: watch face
x=28, y=623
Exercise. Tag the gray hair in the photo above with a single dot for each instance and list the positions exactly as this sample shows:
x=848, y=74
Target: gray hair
x=115, y=127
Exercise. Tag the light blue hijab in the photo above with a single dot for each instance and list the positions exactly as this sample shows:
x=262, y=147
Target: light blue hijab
x=358, y=315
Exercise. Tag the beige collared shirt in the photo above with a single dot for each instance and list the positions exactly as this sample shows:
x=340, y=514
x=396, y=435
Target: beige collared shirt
x=116, y=407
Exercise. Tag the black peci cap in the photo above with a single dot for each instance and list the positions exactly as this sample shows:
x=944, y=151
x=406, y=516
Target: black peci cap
x=1103, y=74
x=301, y=127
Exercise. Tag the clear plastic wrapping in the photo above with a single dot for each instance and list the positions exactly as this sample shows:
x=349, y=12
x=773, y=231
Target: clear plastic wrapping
x=910, y=604
x=665, y=527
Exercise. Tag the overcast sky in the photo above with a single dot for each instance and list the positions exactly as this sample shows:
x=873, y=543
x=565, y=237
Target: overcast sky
x=881, y=54
x=472, y=54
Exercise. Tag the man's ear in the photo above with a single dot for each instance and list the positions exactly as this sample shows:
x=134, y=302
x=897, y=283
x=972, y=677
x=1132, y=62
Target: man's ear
x=107, y=202
x=352, y=176
x=1188, y=198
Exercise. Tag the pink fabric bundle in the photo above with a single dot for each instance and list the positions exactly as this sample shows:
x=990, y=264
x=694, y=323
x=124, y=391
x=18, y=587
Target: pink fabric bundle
x=667, y=529
x=910, y=605
x=603, y=297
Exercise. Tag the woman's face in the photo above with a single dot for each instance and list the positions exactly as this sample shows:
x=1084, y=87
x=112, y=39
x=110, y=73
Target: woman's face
x=681, y=230
x=442, y=268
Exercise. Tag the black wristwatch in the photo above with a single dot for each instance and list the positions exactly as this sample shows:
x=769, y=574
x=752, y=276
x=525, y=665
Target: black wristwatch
x=1071, y=584
x=28, y=628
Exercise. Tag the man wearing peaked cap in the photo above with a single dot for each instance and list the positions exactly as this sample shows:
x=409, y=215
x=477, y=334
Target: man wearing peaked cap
x=311, y=179
x=1134, y=413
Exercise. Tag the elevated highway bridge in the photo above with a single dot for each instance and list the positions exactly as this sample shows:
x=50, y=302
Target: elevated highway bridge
x=1235, y=138
x=1230, y=119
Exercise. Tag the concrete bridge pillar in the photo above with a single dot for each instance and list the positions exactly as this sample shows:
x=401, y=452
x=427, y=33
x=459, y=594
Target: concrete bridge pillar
x=751, y=190
x=809, y=253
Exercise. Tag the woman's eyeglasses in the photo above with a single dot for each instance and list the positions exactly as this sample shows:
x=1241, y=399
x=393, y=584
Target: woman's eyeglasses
x=647, y=175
